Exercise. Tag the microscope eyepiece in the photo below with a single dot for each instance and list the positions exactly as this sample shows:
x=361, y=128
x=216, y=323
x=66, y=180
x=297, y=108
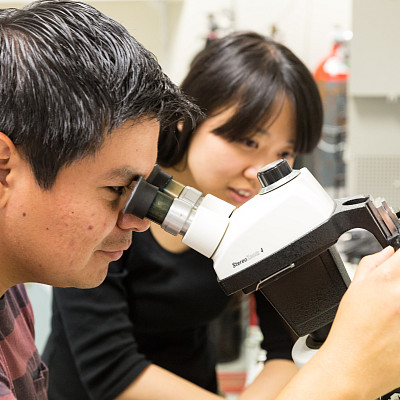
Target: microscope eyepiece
x=274, y=172
x=181, y=210
x=165, y=182
x=159, y=178
x=146, y=201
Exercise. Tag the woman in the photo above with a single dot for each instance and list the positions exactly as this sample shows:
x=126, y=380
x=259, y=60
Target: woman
x=146, y=329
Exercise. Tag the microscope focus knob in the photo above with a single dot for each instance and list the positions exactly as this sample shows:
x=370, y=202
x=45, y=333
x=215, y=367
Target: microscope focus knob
x=273, y=172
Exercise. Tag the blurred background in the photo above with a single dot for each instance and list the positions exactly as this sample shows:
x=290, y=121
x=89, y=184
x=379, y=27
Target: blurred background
x=175, y=30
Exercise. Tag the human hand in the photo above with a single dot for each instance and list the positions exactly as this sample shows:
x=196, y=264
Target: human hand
x=364, y=341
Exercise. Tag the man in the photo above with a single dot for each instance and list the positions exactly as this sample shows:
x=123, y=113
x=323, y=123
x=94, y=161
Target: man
x=81, y=107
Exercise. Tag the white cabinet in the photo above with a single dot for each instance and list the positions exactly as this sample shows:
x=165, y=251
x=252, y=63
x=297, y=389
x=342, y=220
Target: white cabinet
x=375, y=49
x=373, y=143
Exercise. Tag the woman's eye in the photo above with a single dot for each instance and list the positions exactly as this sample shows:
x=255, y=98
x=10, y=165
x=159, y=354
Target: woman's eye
x=250, y=143
x=286, y=154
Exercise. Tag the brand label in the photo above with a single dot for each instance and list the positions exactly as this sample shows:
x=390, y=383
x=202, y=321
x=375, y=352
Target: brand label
x=247, y=258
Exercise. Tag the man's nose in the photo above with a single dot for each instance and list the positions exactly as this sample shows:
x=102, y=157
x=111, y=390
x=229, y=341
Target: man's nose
x=133, y=223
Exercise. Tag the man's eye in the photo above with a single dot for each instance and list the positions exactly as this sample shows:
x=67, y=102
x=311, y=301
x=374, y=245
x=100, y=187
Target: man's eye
x=120, y=190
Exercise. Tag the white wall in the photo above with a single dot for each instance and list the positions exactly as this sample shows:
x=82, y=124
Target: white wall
x=175, y=30
x=306, y=26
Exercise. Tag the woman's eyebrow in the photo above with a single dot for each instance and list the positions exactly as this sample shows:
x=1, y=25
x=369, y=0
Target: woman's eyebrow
x=265, y=132
x=262, y=131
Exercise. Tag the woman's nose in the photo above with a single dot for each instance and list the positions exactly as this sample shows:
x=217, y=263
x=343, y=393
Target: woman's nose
x=133, y=223
x=250, y=172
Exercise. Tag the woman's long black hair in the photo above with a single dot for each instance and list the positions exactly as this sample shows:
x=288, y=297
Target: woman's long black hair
x=255, y=75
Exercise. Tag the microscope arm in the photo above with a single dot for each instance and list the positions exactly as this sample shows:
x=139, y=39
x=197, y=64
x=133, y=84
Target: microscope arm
x=306, y=279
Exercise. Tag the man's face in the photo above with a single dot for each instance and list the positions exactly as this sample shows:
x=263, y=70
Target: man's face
x=68, y=235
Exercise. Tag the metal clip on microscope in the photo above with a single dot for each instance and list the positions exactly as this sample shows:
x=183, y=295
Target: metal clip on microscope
x=280, y=242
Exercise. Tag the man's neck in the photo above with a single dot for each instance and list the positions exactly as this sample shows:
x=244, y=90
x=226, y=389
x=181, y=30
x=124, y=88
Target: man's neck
x=5, y=281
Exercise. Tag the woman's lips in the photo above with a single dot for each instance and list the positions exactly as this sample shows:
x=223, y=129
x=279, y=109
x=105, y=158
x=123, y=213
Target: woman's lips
x=241, y=195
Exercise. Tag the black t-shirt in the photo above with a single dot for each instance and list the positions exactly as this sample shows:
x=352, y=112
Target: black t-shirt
x=154, y=307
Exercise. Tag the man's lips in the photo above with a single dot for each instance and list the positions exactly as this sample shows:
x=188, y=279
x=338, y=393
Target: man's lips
x=115, y=254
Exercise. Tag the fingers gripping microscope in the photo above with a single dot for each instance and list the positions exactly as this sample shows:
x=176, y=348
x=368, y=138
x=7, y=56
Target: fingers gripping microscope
x=281, y=242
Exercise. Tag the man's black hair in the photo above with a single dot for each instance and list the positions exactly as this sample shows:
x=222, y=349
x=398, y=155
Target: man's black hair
x=68, y=76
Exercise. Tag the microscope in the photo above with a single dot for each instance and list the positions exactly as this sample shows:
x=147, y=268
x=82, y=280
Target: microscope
x=281, y=242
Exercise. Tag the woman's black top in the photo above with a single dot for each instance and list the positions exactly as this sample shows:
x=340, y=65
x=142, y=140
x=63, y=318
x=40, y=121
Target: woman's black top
x=154, y=307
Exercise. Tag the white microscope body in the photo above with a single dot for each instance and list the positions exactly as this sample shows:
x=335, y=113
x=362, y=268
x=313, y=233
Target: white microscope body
x=263, y=225
x=280, y=242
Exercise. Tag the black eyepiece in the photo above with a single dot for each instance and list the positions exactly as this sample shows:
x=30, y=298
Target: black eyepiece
x=141, y=199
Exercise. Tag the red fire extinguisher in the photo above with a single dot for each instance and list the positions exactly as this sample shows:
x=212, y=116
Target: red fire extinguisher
x=331, y=76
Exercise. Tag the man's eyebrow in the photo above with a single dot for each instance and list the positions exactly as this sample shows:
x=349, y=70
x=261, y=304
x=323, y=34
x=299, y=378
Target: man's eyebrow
x=124, y=173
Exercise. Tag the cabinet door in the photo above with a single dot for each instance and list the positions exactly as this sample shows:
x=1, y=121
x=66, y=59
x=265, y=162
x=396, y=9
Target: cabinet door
x=375, y=49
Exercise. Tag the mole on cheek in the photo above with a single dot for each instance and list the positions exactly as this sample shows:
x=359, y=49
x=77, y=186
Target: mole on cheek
x=24, y=214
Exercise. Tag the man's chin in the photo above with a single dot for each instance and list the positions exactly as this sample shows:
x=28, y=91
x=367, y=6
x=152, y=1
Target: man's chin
x=88, y=282
x=93, y=283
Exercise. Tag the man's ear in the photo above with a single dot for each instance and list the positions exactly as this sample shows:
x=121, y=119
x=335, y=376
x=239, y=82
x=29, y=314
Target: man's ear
x=7, y=151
